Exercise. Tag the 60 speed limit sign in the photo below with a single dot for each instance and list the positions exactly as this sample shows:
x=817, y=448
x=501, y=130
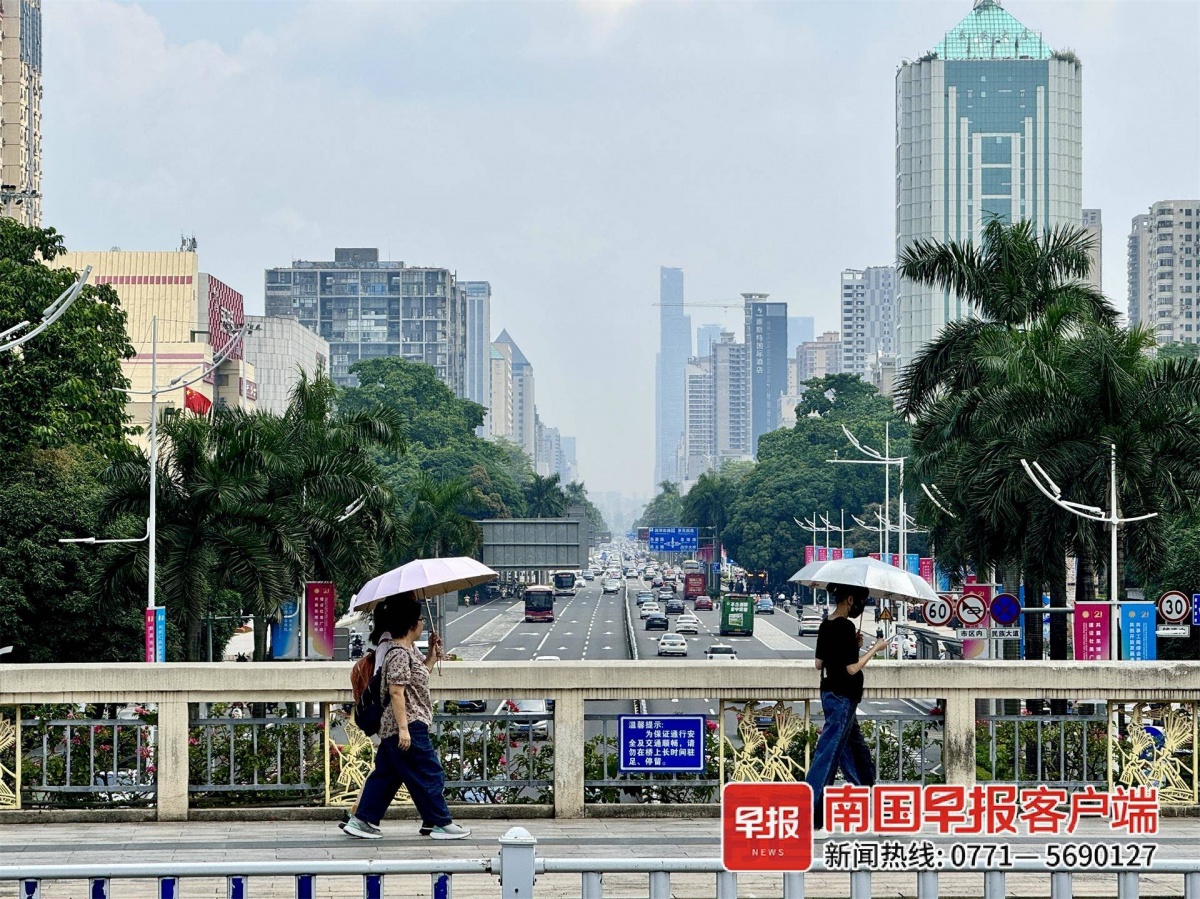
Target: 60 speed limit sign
x=1174, y=607
x=938, y=612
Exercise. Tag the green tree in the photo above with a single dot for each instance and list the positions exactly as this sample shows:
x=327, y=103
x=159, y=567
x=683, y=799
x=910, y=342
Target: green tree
x=438, y=521
x=544, y=497
x=577, y=495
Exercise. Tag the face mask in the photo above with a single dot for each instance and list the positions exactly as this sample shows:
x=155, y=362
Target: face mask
x=857, y=606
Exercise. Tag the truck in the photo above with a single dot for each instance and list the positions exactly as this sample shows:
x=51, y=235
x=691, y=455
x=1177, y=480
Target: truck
x=694, y=584
x=737, y=615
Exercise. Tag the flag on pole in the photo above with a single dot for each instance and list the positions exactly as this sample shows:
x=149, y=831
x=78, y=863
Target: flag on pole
x=195, y=401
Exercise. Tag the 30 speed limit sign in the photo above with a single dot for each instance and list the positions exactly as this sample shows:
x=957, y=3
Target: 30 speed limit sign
x=938, y=612
x=1175, y=607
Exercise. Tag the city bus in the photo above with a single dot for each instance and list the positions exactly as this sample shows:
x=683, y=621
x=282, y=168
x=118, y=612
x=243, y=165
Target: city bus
x=539, y=603
x=564, y=583
x=692, y=565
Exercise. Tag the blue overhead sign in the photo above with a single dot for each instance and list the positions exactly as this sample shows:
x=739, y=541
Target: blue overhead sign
x=674, y=540
x=667, y=743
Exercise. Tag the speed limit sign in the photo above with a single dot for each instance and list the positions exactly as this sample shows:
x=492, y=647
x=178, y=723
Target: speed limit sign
x=938, y=612
x=1174, y=607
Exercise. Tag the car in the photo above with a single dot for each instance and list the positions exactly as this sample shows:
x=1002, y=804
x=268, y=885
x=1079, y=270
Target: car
x=703, y=604
x=464, y=706
x=810, y=622
x=588, y=574
x=906, y=641
x=656, y=581
x=764, y=606
x=672, y=645
x=527, y=724
x=665, y=594
x=650, y=608
x=721, y=652
x=657, y=621
x=645, y=596
x=687, y=623
x=675, y=607
x=612, y=585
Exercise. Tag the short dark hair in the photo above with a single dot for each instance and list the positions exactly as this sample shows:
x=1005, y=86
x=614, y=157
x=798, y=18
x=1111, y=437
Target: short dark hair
x=846, y=591
x=396, y=616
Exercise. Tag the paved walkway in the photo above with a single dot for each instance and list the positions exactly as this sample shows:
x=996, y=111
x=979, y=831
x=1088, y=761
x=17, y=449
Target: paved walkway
x=595, y=838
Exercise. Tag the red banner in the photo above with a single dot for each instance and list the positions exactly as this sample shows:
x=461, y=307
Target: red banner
x=810, y=554
x=926, y=570
x=1093, y=626
x=319, y=613
x=151, y=636
x=979, y=648
x=837, y=553
x=822, y=554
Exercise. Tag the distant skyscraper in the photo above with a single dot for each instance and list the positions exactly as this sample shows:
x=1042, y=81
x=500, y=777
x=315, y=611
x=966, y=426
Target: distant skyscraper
x=700, y=421
x=731, y=398
x=675, y=346
x=766, y=360
x=525, y=423
x=868, y=317
x=479, y=340
x=819, y=357
x=499, y=421
x=1091, y=224
x=1164, y=271
x=987, y=124
x=706, y=336
x=801, y=329
x=21, y=113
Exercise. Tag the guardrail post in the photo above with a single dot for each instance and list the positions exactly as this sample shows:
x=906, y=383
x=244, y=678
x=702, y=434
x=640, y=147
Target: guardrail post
x=958, y=739
x=726, y=885
x=1191, y=885
x=443, y=887
x=793, y=885
x=860, y=884
x=927, y=885
x=993, y=885
x=660, y=885
x=518, y=850
x=235, y=887
x=168, y=888
x=30, y=889
x=1127, y=885
x=569, y=738
x=171, y=757
x=98, y=888
x=593, y=885
x=1060, y=885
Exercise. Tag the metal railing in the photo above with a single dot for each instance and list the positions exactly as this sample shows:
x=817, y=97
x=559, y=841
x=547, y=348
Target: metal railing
x=518, y=867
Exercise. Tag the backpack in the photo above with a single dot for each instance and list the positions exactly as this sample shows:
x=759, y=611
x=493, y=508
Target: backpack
x=368, y=693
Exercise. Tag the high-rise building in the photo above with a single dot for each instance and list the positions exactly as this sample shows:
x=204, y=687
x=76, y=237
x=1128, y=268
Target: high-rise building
x=700, y=420
x=21, y=111
x=366, y=308
x=1164, y=271
x=801, y=329
x=819, y=357
x=706, y=336
x=499, y=420
x=1141, y=248
x=766, y=361
x=987, y=124
x=479, y=340
x=868, y=317
x=524, y=415
x=280, y=348
x=675, y=346
x=731, y=398
x=1095, y=230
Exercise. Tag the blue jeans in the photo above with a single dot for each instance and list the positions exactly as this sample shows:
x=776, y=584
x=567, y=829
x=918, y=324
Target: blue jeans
x=841, y=744
x=417, y=768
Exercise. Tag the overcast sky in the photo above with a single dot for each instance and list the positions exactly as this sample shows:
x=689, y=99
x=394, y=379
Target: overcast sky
x=561, y=151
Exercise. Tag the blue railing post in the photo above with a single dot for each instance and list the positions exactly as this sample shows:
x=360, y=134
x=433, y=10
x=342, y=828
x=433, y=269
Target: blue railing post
x=235, y=887
x=443, y=887
x=31, y=889
x=168, y=888
x=372, y=886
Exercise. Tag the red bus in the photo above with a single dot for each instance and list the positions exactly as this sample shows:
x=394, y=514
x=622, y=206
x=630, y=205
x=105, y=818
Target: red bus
x=539, y=603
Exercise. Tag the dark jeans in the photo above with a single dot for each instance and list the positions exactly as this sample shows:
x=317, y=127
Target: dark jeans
x=417, y=768
x=841, y=744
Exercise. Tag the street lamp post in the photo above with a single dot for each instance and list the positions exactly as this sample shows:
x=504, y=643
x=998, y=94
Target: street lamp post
x=1053, y=492
x=886, y=460
x=50, y=315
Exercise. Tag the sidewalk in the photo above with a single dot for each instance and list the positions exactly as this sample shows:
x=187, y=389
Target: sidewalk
x=148, y=843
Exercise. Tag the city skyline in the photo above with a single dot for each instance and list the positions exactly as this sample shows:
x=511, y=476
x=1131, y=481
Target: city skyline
x=551, y=98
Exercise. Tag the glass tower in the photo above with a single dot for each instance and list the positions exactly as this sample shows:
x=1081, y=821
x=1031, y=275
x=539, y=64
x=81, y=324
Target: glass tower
x=675, y=346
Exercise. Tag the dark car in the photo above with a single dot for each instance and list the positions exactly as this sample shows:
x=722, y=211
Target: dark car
x=657, y=622
x=675, y=607
x=469, y=706
x=704, y=604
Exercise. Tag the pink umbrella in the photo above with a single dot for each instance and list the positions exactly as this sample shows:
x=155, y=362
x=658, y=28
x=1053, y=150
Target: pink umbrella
x=422, y=579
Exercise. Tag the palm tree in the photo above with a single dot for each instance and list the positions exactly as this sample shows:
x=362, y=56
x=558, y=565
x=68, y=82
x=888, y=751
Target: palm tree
x=544, y=497
x=436, y=523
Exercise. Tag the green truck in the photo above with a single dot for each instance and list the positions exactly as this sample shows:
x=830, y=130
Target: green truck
x=737, y=615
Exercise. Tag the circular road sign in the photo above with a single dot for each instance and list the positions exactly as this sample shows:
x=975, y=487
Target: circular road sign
x=938, y=612
x=1006, y=609
x=972, y=609
x=1175, y=607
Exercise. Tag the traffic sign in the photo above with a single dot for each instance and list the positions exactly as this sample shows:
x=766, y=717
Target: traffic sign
x=666, y=743
x=938, y=612
x=1196, y=609
x=1006, y=633
x=674, y=540
x=972, y=609
x=885, y=615
x=1174, y=607
x=1006, y=609
x=1173, y=630
x=971, y=633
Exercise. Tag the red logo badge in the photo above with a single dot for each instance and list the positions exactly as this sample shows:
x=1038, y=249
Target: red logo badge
x=766, y=827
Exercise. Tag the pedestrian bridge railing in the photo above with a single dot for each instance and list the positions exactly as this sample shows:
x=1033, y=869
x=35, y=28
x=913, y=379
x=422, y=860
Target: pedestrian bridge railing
x=515, y=871
x=177, y=738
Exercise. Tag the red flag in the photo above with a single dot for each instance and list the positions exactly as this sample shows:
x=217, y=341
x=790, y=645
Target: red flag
x=196, y=401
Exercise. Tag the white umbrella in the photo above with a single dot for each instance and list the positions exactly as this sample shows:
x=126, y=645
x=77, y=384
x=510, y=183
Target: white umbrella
x=879, y=578
x=422, y=579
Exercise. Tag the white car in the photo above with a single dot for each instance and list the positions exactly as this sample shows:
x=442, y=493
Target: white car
x=810, y=622
x=527, y=724
x=672, y=645
x=612, y=585
x=687, y=624
x=721, y=652
x=905, y=642
x=650, y=608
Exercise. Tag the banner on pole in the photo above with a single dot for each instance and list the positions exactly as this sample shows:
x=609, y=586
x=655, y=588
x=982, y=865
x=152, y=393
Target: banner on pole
x=319, y=615
x=836, y=553
x=160, y=634
x=848, y=552
x=925, y=570
x=810, y=554
x=876, y=556
x=1139, y=641
x=1093, y=628
x=912, y=563
x=284, y=631
x=822, y=554
x=151, y=639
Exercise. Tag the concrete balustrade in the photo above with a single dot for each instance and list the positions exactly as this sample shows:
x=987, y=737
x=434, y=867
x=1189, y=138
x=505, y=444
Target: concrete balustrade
x=961, y=684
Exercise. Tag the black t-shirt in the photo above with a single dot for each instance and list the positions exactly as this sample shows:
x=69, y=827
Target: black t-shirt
x=837, y=648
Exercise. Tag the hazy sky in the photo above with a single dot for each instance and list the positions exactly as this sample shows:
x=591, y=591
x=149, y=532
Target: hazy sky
x=561, y=151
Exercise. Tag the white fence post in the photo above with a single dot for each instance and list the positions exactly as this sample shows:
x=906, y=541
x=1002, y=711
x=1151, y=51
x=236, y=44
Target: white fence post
x=593, y=885
x=171, y=757
x=518, y=849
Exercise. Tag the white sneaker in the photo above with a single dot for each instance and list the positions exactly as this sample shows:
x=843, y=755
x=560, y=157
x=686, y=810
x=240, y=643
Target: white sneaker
x=450, y=832
x=362, y=830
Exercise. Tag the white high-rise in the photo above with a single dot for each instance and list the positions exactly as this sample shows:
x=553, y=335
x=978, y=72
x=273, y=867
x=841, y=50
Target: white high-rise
x=988, y=123
x=1164, y=271
x=868, y=317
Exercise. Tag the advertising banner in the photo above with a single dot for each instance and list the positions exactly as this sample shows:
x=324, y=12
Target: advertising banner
x=1139, y=642
x=822, y=554
x=978, y=648
x=912, y=563
x=925, y=570
x=837, y=553
x=1093, y=627
x=943, y=579
x=848, y=552
x=151, y=639
x=284, y=631
x=160, y=633
x=810, y=554
x=319, y=615
x=876, y=556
